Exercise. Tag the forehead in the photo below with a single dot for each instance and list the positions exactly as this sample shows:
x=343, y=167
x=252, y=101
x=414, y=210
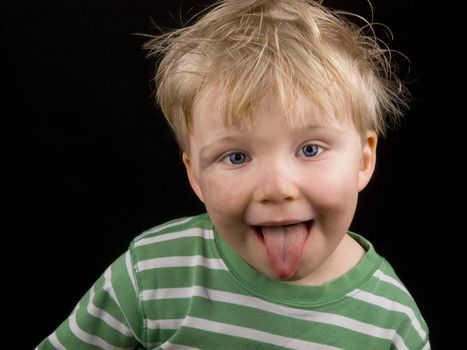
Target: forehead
x=212, y=107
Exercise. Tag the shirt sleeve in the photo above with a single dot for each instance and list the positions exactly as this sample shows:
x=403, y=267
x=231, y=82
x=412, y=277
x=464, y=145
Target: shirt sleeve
x=107, y=317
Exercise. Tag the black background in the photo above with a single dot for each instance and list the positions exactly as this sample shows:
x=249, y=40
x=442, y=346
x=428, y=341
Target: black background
x=90, y=162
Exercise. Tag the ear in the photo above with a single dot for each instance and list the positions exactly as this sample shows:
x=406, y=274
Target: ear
x=368, y=159
x=191, y=177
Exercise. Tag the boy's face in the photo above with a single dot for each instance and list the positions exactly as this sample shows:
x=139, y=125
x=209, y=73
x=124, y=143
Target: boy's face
x=282, y=197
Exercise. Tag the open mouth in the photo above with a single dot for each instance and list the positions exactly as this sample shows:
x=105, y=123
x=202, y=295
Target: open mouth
x=259, y=229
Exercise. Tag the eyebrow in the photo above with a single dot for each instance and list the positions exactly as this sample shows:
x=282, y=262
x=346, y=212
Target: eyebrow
x=227, y=138
x=205, y=154
x=222, y=139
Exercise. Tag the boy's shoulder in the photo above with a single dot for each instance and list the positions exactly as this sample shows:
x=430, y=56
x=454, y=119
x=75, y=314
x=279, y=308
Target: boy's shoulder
x=201, y=221
x=387, y=300
x=190, y=229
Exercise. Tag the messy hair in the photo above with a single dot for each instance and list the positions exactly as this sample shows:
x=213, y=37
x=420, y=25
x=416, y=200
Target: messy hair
x=287, y=49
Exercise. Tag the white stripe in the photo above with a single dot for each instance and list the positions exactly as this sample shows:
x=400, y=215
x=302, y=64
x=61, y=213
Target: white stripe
x=171, y=293
x=386, y=278
x=106, y=317
x=182, y=261
x=164, y=324
x=163, y=237
x=247, y=333
x=55, y=342
x=390, y=305
x=129, y=269
x=108, y=285
x=172, y=346
x=256, y=303
x=90, y=338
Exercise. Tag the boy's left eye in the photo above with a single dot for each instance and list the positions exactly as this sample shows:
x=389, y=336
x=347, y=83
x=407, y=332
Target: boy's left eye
x=310, y=150
x=236, y=158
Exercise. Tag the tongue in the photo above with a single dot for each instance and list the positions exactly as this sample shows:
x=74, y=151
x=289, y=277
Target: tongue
x=284, y=246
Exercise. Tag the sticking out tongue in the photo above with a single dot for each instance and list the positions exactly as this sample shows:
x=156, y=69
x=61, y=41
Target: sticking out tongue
x=284, y=246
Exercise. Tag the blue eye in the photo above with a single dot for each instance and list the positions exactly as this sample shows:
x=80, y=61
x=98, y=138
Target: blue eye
x=236, y=158
x=310, y=150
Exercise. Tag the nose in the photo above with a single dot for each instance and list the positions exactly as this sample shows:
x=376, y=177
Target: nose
x=276, y=186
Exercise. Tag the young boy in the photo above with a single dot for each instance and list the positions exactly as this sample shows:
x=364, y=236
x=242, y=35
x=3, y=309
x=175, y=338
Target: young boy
x=277, y=106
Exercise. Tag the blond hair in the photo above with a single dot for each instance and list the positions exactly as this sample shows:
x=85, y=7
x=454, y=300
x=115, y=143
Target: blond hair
x=288, y=49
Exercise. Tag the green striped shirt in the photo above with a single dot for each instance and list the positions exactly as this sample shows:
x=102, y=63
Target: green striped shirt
x=181, y=286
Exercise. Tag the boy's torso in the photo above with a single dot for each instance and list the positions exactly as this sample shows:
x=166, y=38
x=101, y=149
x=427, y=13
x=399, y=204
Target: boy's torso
x=195, y=291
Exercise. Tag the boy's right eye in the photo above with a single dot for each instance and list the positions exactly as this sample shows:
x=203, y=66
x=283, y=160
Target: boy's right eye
x=236, y=158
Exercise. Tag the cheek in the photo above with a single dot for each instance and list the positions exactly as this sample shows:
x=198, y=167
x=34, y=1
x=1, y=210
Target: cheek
x=224, y=195
x=336, y=194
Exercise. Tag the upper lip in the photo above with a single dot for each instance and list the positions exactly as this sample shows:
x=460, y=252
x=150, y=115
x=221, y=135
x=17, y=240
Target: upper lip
x=282, y=223
x=259, y=228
